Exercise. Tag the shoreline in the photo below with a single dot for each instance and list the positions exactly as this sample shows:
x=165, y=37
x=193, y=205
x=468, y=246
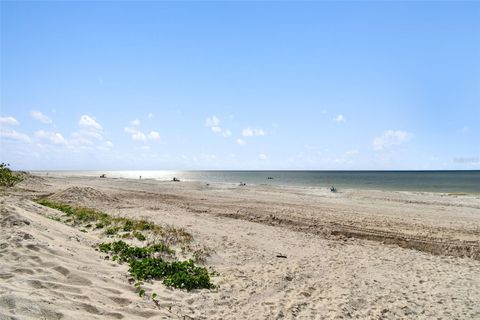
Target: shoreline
x=275, y=185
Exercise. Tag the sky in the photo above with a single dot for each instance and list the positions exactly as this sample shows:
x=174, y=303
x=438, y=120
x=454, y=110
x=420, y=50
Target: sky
x=240, y=85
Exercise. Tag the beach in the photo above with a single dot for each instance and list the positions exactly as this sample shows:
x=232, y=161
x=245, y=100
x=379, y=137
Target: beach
x=279, y=252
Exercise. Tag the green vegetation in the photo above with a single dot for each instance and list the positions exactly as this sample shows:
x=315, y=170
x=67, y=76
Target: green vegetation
x=148, y=262
x=144, y=266
x=81, y=216
x=122, y=252
x=7, y=177
x=139, y=236
x=112, y=231
x=78, y=215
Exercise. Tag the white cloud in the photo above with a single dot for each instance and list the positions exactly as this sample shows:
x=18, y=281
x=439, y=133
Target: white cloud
x=227, y=133
x=89, y=129
x=37, y=115
x=53, y=137
x=139, y=136
x=154, y=135
x=150, y=116
x=216, y=129
x=14, y=135
x=109, y=144
x=88, y=134
x=340, y=118
x=212, y=122
x=89, y=122
x=9, y=121
x=391, y=138
x=262, y=156
x=136, y=122
x=248, y=132
x=130, y=130
x=241, y=141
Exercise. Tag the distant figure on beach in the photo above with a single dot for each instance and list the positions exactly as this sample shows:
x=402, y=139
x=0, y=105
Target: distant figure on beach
x=242, y=184
x=175, y=179
x=103, y=176
x=140, y=177
x=333, y=189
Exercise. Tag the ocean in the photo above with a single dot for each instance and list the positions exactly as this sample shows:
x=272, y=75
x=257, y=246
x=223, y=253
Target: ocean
x=430, y=181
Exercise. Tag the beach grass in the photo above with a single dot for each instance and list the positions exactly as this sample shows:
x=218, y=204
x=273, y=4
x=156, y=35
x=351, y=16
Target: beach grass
x=113, y=225
x=147, y=262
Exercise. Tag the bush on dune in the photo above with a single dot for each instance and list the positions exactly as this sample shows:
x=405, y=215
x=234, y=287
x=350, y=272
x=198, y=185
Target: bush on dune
x=8, y=178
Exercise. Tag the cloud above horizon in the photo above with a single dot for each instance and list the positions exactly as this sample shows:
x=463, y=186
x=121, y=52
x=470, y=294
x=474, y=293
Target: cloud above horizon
x=138, y=135
x=340, y=118
x=89, y=122
x=37, y=115
x=249, y=132
x=14, y=135
x=9, y=121
x=51, y=137
x=214, y=124
x=391, y=138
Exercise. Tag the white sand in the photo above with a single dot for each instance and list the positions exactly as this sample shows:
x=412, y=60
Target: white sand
x=332, y=271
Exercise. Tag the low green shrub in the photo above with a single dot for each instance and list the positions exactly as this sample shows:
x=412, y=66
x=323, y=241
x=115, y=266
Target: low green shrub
x=112, y=231
x=144, y=266
x=177, y=274
x=144, y=262
x=8, y=178
x=139, y=236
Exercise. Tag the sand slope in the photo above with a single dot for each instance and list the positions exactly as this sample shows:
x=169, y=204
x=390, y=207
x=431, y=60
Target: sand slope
x=50, y=271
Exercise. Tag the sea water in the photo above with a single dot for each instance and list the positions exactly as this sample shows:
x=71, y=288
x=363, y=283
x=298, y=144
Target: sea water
x=431, y=181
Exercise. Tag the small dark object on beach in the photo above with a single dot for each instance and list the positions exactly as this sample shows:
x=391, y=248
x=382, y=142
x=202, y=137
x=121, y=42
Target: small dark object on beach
x=175, y=179
x=270, y=178
x=242, y=184
x=281, y=256
x=333, y=189
x=103, y=176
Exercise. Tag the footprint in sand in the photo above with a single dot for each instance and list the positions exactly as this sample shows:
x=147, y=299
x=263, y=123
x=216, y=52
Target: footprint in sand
x=78, y=280
x=120, y=301
x=36, y=284
x=7, y=302
x=62, y=270
x=114, y=315
x=5, y=276
x=32, y=247
x=24, y=271
x=89, y=308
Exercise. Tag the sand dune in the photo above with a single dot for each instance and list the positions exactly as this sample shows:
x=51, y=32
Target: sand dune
x=275, y=249
x=50, y=271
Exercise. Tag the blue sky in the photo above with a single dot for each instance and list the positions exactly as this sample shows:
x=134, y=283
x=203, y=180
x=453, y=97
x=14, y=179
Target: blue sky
x=240, y=85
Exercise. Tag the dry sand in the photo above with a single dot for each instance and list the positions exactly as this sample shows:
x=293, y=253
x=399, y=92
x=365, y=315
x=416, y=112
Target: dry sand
x=357, y=254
